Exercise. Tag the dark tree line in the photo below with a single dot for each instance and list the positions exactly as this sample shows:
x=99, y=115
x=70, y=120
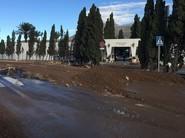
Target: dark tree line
x=109, y=30
x=176, y=34
x=10, y=44
x=2, y=48
x=34, y=39
x=157, y=22
x=63, y=45
x=41, y=46
x=52, y=42
x=136, y=28
x=88, y=36
x=18, y=46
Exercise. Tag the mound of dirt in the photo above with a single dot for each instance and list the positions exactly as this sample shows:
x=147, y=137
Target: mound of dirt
x=114, y=80
x=111, y=79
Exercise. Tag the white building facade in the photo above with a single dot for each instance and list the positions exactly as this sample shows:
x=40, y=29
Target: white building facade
x=112, y=44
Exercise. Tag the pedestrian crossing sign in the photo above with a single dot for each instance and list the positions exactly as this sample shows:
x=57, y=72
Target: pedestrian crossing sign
x=159, y=41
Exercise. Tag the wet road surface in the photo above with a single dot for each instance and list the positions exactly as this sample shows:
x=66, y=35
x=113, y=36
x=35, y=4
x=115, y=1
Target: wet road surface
x=49, y=111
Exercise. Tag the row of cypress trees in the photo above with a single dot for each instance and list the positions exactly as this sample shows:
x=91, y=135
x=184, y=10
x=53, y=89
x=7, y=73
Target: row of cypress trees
x=157, y=22
x=9, y=47
x=90, y=32
x=109, y=29
x=176, y=34
x=40, y=39
x=88, y=36
x=154, y=23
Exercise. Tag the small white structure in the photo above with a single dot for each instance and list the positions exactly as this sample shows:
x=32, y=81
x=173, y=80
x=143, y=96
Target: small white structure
x=23, y=55
x=112, y=44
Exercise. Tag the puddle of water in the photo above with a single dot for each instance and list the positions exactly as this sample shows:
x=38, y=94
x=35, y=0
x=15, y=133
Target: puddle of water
x=13, y=81
x=37, y=81
x=1, y=85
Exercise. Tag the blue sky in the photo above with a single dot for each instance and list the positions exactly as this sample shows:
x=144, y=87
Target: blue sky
x=44, y=13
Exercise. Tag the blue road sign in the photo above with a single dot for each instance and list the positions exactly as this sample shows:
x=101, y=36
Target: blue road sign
x=159, y=41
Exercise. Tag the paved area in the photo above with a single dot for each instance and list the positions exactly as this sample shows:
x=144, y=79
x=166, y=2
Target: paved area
x=50, y=111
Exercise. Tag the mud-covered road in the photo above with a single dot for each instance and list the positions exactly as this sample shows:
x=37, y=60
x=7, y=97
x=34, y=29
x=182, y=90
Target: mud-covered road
x=45, y=110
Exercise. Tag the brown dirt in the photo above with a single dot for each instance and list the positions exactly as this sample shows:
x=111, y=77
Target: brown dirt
x=163, y=91
x=105, y=79
x=9, y=126
x=111, y=78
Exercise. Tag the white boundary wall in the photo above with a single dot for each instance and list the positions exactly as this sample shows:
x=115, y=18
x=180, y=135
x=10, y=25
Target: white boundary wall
x=23, y=55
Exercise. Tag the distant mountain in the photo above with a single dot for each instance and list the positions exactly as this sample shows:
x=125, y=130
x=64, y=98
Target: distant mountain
x=125, y=28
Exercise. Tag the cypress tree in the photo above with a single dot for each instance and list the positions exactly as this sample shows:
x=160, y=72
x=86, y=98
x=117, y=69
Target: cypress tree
x=8, y=46
x=147, y=40
x=109, y=30
x=159, y=18
x=13, y=43
x=31, y=43
x=42, y=50
x=159, y=27
x=177, y=20
x=2, y=48
x=94, y=35
x=80, y=38
x=18, y=46
x=177, y=31
x=99, y=25
x=61, y=44
x=136, y=28
x=37, y=51
x=66, y=44
x=112, y=26
x=61, y=32
x=120, y=35
x=61, y=51
x=88, y=36
x=52, y=42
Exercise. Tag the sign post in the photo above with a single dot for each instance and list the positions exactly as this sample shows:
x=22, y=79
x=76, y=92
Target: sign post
x=159, y=44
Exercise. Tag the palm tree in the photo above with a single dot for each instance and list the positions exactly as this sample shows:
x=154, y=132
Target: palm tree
x=25, y=28
x=37, y=35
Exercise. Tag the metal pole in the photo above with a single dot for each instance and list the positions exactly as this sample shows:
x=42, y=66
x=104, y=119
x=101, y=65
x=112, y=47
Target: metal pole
x=159, y=56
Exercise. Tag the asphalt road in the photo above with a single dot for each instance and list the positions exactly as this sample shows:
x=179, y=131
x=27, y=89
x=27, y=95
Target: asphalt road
x=49, y=111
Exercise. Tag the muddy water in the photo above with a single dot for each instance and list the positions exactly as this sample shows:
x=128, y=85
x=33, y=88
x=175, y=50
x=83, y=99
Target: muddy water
x=51, y=111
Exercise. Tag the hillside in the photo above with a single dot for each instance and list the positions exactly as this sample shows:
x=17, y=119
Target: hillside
x=126, y=30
